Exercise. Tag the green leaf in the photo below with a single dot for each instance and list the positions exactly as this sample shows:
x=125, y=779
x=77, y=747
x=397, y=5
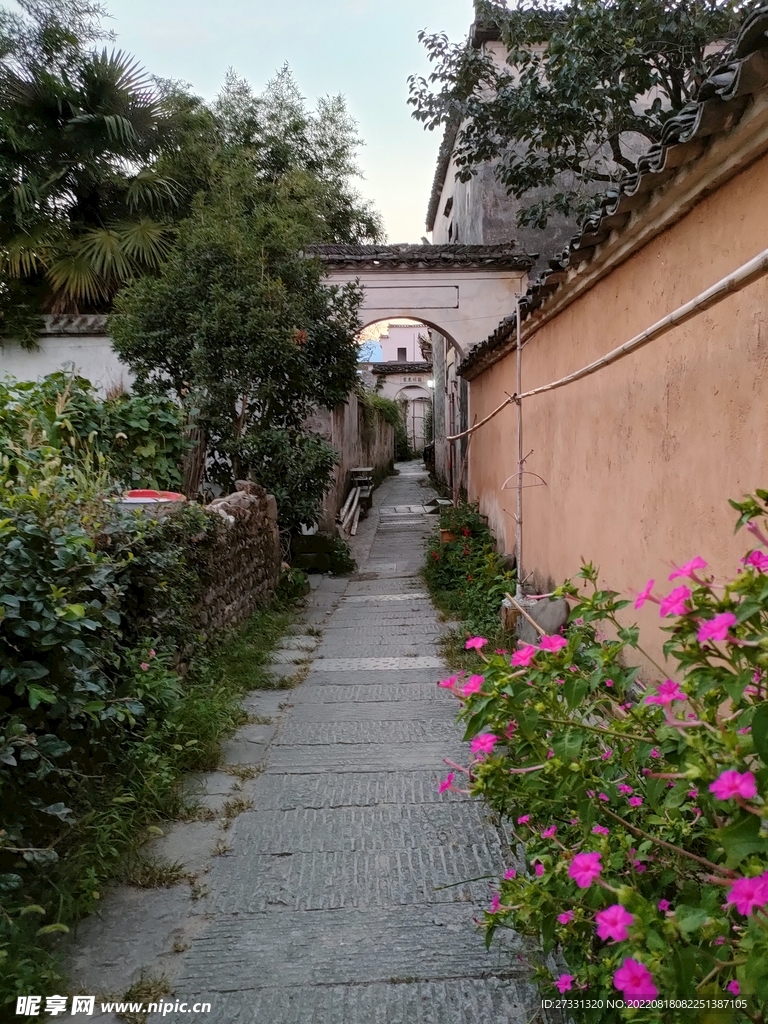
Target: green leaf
x=760, y=730
x=39, y=695
x=741, y=838
x=690, y=919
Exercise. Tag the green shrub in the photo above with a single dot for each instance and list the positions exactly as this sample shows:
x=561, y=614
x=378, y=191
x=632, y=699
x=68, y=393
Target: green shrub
x=466, y=577
x=640, y=812
x=391, y=412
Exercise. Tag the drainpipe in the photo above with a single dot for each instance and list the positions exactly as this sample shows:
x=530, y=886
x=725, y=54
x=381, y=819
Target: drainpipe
x=519, y=517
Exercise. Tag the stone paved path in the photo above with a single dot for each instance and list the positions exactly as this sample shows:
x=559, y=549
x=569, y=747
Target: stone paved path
x=342, y=899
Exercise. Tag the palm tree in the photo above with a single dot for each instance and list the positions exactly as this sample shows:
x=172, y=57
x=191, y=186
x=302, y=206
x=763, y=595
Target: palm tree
x=84, y=206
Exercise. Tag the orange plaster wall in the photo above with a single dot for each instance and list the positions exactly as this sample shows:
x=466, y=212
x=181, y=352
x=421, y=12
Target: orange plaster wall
x=641, y=458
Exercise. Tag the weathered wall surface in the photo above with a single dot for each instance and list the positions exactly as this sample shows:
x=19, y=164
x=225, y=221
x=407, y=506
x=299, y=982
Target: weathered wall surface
x=358, y=442
x=641, y=458
x=67, y=341
x=243, y=562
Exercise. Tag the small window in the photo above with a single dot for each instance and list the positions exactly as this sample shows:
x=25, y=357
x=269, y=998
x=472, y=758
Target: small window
x=448, y=207
x=402, y=355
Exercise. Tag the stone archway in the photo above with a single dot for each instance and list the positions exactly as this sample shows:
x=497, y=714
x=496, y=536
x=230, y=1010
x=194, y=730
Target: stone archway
x=461, y=291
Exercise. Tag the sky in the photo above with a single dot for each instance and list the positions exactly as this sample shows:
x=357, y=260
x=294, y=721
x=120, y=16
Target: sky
x=364, y=49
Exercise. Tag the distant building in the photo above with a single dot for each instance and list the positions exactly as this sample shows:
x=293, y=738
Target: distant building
x=403, y=343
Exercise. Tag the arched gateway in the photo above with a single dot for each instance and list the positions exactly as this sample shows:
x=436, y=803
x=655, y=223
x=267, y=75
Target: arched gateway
x=462, y=291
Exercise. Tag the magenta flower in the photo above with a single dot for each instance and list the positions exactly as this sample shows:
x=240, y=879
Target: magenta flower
x=719, y=940
x=635, y=801
x=655, y=752
x=484, y=743
x=539, y=869
x=716, y=628
x=758, y=560
x=564, y=983
x=495, y=903
x=475, y=643
x=666, y=693
x=635, y=981
x=734, y=987
x=692, y=793
x=603, y=796
x=552, y=643
x=747, y=894
x=448, y=683
x=446, y=783
x=584, y=869
x=674, y=603
x=623, y=788
x=644, y=594
x=689, y=568
x=607, y=755
x=524, y=656
x=663, y=906
x=566, y=917
x=523, y=819
x=510, y=730
x=144, y=665
x=600, y=830
x=549, y=832
x=613, y=922
x=609, y=682
x=731, y=784
x=510, y=873
x=152, y=652
x=473, y=685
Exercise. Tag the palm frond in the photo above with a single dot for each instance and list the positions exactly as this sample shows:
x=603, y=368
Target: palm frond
x=150, y=188
x=74, y=281
x=104, y=251
x=146, y=243
x=118, y=128
x=30, y=251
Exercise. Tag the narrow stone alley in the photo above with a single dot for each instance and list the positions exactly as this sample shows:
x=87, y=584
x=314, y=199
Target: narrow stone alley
x=347, y=892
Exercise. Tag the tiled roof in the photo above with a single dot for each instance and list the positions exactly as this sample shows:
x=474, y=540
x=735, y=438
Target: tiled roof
x=384, y=369
x=74, y=323
x=718, y=107
x=498, y=257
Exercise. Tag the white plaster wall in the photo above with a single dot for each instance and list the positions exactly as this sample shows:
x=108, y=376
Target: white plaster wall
x=91, y=355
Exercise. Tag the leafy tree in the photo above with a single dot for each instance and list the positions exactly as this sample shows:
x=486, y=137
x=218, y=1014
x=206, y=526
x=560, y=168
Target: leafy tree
x=278, y=135
x=83, y=204
x=239, y=322
x=586, y=88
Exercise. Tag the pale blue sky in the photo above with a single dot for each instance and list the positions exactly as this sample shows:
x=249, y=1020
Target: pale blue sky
x=363, y=48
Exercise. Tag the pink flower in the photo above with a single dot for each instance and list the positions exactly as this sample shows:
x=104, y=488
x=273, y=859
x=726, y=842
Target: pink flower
x=600, y=830
x=510, y=730
x=731, y=783
x=549, y=832
x=574, y=821
x=584, y=869
x=666, y=693
x=523, y=819
x=510, y=873
x=566, y=917
x=484, y=743
x=550, y=754
x=607, y=755
x=644, y=594
x=603, y=796
x=473, y=685
x=674, y=603
x=734, y=987
x=475, y=643
x=689, y=568
x=539, y=869
x=552, y=643
x=622, y=788
x=748, y=893
x=152, y=652
x=663, y=906
x=758, y=560
x=635, y=980
x=716, y=628
x=524, y=656
x=144, y=665
x=655, y=752
x=448, y=683
x=609, y=682
x=613, y=922
x=564, y=983
x=635, y=801
x=495, y=903
x=692, y=793
x=719, y=940
x=446, y=783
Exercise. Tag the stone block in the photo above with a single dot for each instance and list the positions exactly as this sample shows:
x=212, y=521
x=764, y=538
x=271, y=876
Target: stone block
x=550, y=615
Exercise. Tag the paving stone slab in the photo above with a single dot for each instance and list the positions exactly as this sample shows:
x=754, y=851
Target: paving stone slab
x=266, y=703
x=189, y=843
x=362, y=757
x=367, y=688
x=375, y=664
x=349, y=789
x=288, y=656
x=299, y=642
x=337, y=733
x=454, y=1001
x=248, y=745
x=347, y=946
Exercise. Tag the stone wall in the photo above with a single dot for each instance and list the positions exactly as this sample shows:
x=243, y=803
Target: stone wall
x=243, y=561
x=359, y=443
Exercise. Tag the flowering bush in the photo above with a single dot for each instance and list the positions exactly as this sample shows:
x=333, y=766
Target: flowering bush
x=640, y=811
